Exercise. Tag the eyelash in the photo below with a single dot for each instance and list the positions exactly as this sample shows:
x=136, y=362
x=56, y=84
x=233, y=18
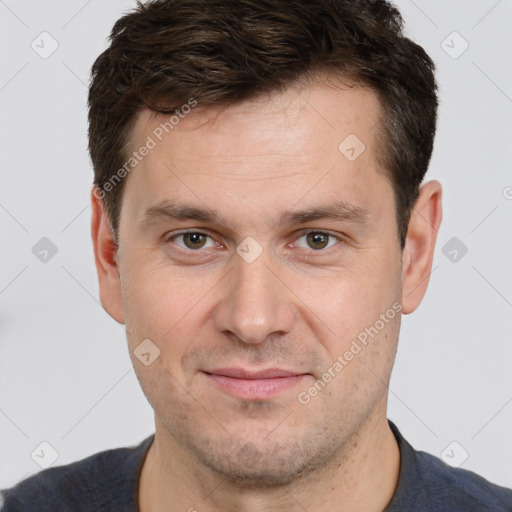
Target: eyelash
x=318, y=252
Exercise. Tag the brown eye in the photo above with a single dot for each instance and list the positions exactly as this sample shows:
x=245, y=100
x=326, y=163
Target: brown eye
x=317, y=240
x=194, y=240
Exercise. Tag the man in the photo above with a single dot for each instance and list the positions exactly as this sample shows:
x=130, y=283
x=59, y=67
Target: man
x=259, y=226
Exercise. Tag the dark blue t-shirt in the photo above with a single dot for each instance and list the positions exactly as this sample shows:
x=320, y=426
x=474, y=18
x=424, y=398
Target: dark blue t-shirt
x=108, y=482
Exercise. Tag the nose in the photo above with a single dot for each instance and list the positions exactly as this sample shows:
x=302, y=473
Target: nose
x=255, y=303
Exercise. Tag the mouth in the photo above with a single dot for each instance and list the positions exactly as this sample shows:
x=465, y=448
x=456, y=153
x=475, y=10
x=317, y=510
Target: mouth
x=255, y=385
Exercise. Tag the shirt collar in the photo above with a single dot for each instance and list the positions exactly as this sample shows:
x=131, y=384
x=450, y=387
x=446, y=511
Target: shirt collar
x=410, y=485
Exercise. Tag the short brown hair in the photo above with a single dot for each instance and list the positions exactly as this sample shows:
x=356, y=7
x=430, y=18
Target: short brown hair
x=220, y=52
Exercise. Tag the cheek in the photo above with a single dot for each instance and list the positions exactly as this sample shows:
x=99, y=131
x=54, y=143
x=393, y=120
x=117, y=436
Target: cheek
x=164, y=306
x=355, y=297
x=359, y=311
x=160, y=308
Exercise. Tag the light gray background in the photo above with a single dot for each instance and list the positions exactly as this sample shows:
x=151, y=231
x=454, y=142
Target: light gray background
x=65, y=374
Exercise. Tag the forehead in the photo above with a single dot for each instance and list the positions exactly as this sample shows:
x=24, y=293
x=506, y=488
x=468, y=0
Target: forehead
x=285, y=120
x=310, y=143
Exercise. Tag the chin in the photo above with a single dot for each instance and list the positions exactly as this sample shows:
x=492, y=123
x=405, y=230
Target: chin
x=264, y=464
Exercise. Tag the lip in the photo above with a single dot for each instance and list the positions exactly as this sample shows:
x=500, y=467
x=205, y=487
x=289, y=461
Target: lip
x=255, y=385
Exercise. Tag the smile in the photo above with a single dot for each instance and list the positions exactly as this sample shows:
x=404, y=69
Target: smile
x=260, y=385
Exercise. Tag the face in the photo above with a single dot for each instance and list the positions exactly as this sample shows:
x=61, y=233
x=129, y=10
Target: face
x=263, y=263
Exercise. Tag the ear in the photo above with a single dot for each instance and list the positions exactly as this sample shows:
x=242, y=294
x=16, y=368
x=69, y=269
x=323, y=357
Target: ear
x=418, y=252
x=105, y=255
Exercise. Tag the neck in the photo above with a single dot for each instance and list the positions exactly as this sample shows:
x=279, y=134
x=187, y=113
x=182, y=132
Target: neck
x=363, y=478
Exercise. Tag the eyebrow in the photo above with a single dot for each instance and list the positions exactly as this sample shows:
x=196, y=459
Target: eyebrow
x=339, y=211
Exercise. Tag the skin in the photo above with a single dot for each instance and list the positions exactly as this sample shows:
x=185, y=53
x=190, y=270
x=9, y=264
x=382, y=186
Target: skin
x=297, y=306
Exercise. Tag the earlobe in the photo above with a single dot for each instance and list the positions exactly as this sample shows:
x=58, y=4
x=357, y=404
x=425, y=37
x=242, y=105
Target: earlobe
x=418, y=253
x=105, y=256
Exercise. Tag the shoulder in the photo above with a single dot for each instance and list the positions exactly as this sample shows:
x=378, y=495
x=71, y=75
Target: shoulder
x=461, y=489
x=99, y=482
x=427, y=484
